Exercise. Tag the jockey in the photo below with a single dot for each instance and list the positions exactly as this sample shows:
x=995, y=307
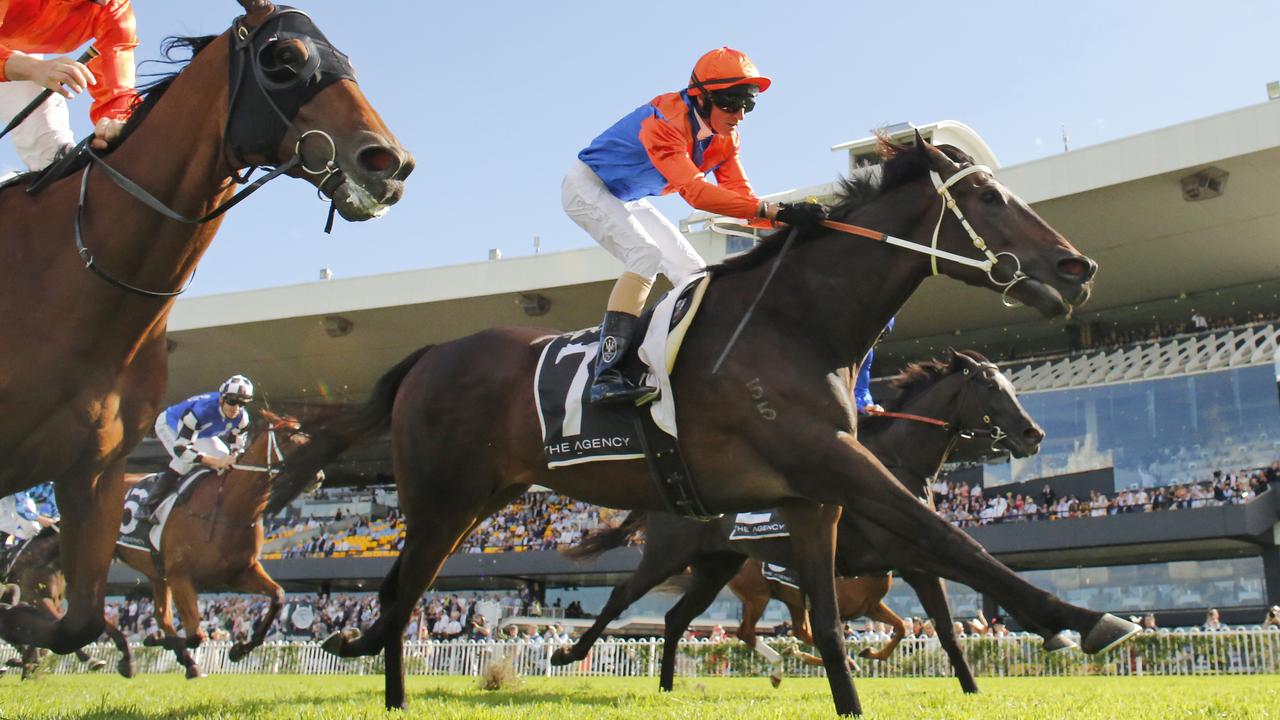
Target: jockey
x=21, y=517
x=862, y=389
x=30, y=27
x=667, y=145
x=207, y=429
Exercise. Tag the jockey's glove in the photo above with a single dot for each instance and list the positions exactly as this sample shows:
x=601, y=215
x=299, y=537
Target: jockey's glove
x=802, y=214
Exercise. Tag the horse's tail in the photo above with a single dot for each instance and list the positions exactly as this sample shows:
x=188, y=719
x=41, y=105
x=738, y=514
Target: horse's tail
x=332, y=437
x=602, y=540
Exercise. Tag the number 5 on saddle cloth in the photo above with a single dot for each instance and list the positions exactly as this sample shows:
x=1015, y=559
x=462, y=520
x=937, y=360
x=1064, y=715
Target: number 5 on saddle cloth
x=575, y=431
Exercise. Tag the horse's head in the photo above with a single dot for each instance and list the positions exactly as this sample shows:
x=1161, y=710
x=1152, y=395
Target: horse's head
x=989, y=405
x=1033, y=263
x=293, y=95
x=285, y=426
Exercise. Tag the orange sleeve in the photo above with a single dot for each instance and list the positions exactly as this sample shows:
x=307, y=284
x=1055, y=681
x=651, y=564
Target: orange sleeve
x=115, y=37
x=668, y=150
x=5, y=52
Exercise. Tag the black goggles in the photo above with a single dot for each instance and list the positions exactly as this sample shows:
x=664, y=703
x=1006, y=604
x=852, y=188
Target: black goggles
x=732, y=102
x=235, y=401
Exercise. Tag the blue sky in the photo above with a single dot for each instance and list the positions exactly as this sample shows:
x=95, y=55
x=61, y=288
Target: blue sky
x=495, y=99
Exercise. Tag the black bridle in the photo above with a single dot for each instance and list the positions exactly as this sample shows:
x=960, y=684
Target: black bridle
x=269, y=96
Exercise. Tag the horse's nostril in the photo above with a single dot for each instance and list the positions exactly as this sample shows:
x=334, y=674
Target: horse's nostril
x=1033, y=434
x=1077, y=269
x=377, y=159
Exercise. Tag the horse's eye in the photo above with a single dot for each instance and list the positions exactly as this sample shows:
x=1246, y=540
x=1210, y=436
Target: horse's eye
x=991, y=196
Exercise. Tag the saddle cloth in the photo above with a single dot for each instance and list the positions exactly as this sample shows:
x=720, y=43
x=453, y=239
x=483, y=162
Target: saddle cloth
x=575, y=431
x=758, y=526
x=142, y=533
x=779, y=574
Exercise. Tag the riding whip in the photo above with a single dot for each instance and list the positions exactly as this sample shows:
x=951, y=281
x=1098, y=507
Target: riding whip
x=23, y=114
x=746, y=317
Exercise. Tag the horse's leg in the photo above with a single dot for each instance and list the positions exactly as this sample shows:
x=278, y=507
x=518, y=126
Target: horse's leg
x=255, y=580
x=882, y=613
x=185, y=599
x=850, y=475
x=752, y=589
x=94, y=663
x=663, y=557
x=933, y=596
x=813, y=546
x=91, y=509
x=125, y=666
x=710, y=574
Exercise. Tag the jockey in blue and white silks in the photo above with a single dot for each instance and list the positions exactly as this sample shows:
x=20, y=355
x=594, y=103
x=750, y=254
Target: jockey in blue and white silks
x=24, y=514
x=862, y=389
x=208, y=429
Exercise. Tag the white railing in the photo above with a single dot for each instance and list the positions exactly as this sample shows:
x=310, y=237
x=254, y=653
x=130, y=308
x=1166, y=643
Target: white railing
x=1253, y=651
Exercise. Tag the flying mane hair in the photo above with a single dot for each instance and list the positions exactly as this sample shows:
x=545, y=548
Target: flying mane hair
x=900, y=165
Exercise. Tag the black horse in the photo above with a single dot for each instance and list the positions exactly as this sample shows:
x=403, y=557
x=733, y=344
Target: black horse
x=964, y=391
x=770, y=426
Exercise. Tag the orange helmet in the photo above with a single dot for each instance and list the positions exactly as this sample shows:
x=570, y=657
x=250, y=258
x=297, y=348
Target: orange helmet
x=724, y=68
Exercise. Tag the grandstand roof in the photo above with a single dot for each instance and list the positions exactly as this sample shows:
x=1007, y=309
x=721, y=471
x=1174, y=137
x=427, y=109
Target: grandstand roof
x=1120, y=202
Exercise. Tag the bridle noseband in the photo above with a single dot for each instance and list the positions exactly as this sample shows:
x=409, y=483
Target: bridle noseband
x=281, y=89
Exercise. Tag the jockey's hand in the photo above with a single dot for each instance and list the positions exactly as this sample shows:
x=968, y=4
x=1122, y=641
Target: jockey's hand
x=106, y=133
x=220, y=463
x=801, y=214
x=45, y=522
x=63, y=75
x=872, y=408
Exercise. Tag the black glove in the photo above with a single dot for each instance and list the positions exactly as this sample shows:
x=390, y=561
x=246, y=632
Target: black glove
x=801, y=214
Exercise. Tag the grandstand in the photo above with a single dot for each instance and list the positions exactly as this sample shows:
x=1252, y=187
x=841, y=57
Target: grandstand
x=1166, y=377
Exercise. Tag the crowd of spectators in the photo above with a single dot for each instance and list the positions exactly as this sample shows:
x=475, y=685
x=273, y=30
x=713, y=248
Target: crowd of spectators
x=968, y=506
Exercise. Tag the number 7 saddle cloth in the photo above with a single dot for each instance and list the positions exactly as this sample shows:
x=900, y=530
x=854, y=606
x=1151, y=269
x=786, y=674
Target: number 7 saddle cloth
x=575, y=431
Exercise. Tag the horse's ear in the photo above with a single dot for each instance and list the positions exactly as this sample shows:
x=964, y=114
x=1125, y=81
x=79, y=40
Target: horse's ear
x=938, y=160
x=270, y=417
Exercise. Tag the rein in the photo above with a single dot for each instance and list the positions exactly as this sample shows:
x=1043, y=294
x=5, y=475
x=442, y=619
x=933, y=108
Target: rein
x=242, y=54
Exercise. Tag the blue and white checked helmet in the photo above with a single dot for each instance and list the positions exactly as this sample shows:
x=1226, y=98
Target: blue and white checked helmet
x=237, y=386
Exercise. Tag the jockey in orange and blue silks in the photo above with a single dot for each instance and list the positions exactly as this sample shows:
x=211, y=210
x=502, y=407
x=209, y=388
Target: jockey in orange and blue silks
x=667, y=145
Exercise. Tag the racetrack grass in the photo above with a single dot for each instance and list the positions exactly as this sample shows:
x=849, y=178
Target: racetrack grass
x=100, y=697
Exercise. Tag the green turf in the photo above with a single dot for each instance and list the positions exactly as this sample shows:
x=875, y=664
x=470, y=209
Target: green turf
x=260, y=696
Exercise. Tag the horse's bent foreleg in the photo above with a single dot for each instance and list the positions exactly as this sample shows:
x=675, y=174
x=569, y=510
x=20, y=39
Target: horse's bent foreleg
x=255, y=580
x=933, y=597
x=882, y=613
x=91, y=510
x=753, y=590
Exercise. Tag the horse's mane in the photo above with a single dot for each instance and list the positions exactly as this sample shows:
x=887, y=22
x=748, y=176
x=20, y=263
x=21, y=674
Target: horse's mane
x=149, y=93
x=918, y=377
x=902, y=164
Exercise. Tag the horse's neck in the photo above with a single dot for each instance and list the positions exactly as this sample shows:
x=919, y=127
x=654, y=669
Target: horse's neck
x=916, y=450
x=176, y=155
x=845, y=289
x=246, y=493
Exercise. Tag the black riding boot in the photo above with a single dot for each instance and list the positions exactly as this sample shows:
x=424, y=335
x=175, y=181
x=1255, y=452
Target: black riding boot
x=163, y=488
x=609, y=385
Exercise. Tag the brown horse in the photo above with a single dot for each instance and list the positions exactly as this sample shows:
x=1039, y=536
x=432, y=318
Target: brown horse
x=35, y=577
x=84, y=367
x=774, y=427
x=213, y=540
x=941, y=401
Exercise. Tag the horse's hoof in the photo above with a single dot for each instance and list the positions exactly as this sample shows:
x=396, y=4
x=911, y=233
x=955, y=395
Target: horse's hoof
x=193, y=673
x=126, y=669
x=1109, y=632
x=13, y=662
x=1058, y=643
x=153, y=640
x=335, y=643
x=237, y=652
x=562, y=656
x=775, y=678
x=865, y=653
x=96, y=664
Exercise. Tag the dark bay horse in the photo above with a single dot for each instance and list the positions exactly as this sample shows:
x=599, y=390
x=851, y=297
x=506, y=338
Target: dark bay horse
x=212, y=541
x=35, y=577
x=962, y=394
x=84, y=366
x=773, y=428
